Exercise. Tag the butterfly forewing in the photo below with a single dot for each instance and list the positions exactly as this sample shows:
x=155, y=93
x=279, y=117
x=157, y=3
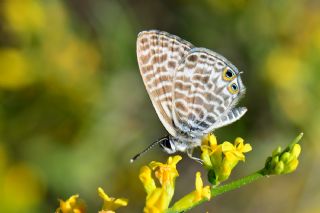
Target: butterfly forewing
x=201, y=98
x=159, y=54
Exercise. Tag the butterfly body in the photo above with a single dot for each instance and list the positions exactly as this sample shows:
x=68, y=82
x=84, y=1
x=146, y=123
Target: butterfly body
x=193, y=90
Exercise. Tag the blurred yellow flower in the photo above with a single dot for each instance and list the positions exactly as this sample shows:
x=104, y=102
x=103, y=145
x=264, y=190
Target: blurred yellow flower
x=284, y=69
x=15, y=71
x=110, y=204
x=291, y=75
x=24, y=16
x=77, y=59
x=220, y=159
x=194, y=197
x=17, y=181
x=3, y=159
x=159, y=198
x=72, y=205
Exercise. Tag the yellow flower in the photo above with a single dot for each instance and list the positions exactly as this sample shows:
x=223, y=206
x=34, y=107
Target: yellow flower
x=201, y=192
x=211, y=153
x=191, y=199
x=220, y=159
x=109, y=203
x=159, y=198
x=166, y=173
x=237, y=149
x=72, y=205
x=15, y=70
x=31, y=15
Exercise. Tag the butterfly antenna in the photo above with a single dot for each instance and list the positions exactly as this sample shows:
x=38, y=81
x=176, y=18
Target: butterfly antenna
x=148, y=148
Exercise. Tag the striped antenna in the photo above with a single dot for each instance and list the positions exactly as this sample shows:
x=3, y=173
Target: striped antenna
x=148, y=148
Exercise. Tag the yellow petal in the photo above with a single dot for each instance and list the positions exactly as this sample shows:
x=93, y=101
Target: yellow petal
x=166, y=173
x=227, y=146
x=247, y=148
x=205, y=156
x=103, y=195
x=238, y=141
x=296, y=149
x=173, y=161
x=234, y=156
x=110, y=203
x=158, y=201
x=194, y=197
x=154, y=164
x=212, y=140
x=292, y=166
x=147, y=180
x=198, y=182
x=72, y=205
x=205, y=140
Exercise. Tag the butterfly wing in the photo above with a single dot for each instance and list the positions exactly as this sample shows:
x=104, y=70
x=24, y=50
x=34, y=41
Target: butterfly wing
x=159, y=54
x=203, y=98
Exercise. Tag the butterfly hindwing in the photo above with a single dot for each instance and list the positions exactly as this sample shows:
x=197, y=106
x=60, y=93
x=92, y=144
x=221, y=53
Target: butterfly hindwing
x=202, y=100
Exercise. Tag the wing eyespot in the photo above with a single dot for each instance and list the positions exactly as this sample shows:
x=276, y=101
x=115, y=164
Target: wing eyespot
x=233, y=88
x=228, y=74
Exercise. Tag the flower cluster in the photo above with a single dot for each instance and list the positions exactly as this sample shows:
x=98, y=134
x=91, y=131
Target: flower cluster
x=72, y=205
x=159, y=198
x=284, y=162
x=110, y=204
x=76, y=205
x=220, y=159
x=159, y=178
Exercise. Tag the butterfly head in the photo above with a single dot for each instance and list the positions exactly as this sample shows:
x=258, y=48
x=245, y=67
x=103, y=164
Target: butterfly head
x=168, y=145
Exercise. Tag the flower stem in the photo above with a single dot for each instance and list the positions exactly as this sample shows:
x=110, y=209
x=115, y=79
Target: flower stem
x=215, y=191
x=218, y=190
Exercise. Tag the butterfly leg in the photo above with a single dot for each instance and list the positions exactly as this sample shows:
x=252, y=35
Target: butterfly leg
x=190, y=152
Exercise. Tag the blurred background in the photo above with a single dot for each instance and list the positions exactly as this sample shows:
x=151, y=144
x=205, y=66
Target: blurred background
x=74, y=110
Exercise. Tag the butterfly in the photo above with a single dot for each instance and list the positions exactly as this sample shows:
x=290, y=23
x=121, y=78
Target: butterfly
x=193, y=90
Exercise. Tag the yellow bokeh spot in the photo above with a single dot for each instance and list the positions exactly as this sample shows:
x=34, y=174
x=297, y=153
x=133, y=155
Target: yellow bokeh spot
x=284, y=70
x=24, y=15
x=14, y=72
x=21, y=189
x=3, y=159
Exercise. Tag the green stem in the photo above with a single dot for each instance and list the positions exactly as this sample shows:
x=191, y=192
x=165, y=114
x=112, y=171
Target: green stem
x=215, y=191
x=296, y=140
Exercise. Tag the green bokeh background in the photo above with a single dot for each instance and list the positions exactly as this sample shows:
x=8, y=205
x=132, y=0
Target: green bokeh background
x=73, y=107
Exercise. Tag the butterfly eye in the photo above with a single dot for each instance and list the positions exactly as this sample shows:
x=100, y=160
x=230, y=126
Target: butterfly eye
x=233, y=88
x=228, y=74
